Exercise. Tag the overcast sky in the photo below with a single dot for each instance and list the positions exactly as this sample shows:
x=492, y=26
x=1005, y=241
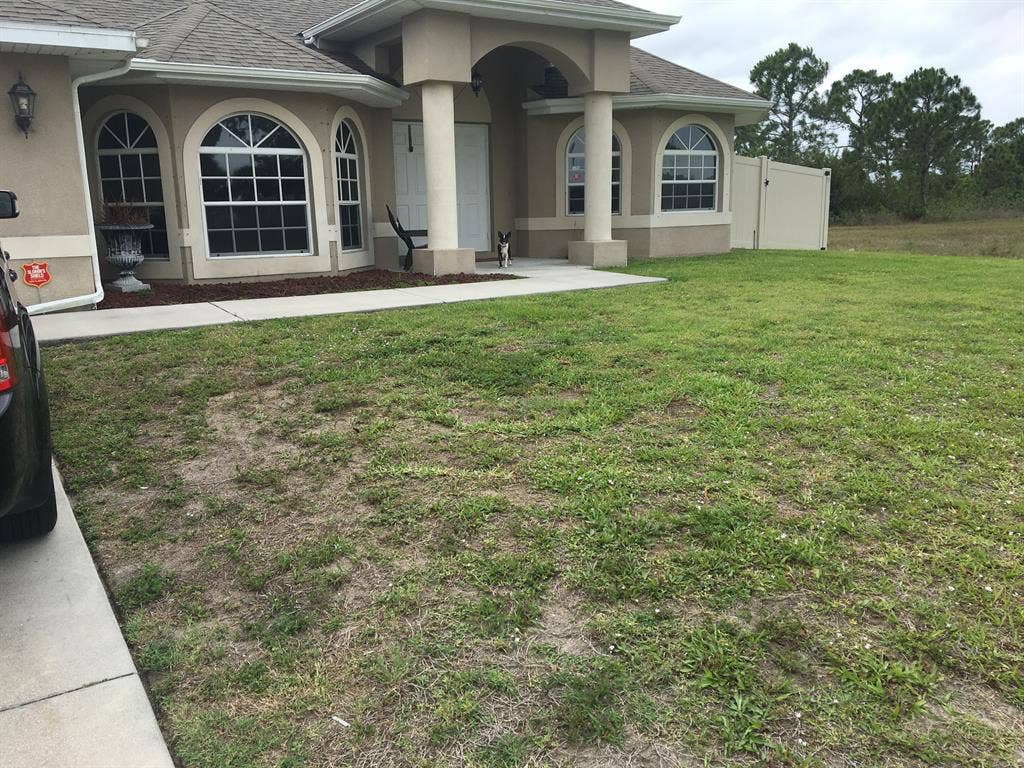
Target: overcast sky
x=982, y=41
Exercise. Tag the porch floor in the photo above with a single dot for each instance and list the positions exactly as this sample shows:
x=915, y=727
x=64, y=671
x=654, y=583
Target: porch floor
x=538, y=276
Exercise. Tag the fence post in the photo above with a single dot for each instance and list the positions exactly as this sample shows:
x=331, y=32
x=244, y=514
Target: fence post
x=762, y=200
x=826, y=206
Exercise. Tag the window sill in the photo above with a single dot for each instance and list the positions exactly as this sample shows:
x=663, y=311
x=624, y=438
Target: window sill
x=237, y=256
x=638, y=221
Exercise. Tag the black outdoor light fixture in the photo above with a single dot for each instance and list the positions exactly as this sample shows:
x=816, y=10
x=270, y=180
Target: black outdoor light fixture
x=477, y=83
x=24, y=100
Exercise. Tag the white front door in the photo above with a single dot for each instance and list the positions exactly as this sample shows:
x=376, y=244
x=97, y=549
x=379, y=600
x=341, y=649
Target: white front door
x=472, y=180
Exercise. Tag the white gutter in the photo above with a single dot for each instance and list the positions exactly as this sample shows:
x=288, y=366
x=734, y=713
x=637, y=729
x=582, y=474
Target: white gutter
x=578, y=15
x=96, y=296
x=363, y=88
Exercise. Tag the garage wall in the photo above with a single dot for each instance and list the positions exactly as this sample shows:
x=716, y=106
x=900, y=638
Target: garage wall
x=778, y=205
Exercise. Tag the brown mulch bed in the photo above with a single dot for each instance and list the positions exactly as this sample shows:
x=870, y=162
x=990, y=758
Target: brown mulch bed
x=369, y=280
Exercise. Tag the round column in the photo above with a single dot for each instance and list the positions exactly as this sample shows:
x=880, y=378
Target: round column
x=597, y=118
x=439, y=161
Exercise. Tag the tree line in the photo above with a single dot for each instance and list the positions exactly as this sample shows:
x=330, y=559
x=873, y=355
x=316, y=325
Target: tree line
x=912, y=148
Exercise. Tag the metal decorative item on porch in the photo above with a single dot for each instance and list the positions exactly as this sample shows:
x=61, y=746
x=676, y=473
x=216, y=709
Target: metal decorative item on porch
x=406, y=236
x=122, y=227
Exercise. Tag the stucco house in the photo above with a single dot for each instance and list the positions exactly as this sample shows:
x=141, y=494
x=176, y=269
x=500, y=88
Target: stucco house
x=266, y=138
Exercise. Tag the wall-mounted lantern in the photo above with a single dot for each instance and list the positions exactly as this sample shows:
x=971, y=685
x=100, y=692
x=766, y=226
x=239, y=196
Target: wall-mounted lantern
x=477, y=83
x=23, y=98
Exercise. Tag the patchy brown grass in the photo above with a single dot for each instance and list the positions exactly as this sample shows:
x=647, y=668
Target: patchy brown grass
x=768, y=533
x=989, y=237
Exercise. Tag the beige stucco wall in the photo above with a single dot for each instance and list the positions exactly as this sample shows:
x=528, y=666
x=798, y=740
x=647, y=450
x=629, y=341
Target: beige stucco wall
x=44, y=170
x=439, y=45
x=526, y=169
x=543, y=228
x=184, y=113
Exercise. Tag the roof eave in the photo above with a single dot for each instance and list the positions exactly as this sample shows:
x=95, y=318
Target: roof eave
x=365, y=89
x=68, y=40
x=746, y=110
x=370, y=16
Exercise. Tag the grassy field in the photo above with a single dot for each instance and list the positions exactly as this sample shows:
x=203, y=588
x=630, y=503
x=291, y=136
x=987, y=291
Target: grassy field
x=990, y=237
x=768, y=513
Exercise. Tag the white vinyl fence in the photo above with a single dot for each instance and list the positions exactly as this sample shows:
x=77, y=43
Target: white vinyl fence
x=777, y=205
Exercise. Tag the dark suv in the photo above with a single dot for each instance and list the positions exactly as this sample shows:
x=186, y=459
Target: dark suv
x=28, y=502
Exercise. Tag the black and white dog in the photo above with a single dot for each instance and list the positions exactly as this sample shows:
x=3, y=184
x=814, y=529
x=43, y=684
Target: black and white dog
x=504, y=249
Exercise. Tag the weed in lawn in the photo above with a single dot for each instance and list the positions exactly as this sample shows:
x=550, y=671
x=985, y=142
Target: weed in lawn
x=151, y=584
x=589, y=710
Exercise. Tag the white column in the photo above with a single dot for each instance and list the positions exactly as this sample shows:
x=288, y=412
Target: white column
x=439, y=160
x=597, y=118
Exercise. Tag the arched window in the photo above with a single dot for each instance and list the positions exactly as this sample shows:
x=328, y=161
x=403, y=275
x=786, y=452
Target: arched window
x=576, y=174
x=130, y=175
x=689, y=171
x=255, y=189
x=346, y=161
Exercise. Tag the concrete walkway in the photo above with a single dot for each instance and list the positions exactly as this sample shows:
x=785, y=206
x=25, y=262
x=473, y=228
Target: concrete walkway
x=538, y=276
x=69, y=691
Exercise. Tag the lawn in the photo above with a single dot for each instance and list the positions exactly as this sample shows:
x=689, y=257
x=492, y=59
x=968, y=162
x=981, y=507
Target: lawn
x=768, y=513
x=989, y=237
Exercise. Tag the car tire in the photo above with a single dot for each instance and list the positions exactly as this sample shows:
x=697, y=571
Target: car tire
x=32, y=523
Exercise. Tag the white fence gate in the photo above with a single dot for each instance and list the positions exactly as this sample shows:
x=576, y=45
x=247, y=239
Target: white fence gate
x=778, y=205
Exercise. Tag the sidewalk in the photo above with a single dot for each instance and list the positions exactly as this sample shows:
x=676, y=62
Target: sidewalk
x=538, y=276
x=69, y=692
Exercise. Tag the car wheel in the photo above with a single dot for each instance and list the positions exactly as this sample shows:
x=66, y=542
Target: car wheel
x=31, y=523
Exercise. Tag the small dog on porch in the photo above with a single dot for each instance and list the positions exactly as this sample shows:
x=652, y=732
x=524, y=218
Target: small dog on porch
x=504, y=249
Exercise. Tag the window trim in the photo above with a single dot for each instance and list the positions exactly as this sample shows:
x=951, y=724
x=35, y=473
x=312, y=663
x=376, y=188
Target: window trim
x=155, y=151
x=250, y=150
x=558, y=190
x=358, y=204
x=724, y=144
x=94, y=117
x=202, y=267
x=570, y=184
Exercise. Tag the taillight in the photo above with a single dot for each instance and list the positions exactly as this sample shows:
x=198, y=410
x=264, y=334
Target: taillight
x=7, y=377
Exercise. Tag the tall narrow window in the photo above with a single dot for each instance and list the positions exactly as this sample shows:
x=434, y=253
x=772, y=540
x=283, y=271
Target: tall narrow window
x=576, y=174
x=689, y=171
x=130, y=175
x=255, y=189
x=346, y=161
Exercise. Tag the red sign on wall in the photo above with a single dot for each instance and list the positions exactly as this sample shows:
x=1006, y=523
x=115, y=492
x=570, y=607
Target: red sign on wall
x=37, y=274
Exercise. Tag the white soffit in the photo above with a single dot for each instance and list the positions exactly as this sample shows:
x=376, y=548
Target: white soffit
x=67, y=40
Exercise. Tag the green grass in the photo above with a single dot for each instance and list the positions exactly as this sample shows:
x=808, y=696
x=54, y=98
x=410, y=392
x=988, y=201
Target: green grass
x=768, y=513
x=985, y=237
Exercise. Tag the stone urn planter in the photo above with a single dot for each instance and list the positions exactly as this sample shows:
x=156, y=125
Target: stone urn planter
x=122, y=228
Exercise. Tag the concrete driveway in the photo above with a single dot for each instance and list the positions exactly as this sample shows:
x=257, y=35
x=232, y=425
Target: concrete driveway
x=70, y=696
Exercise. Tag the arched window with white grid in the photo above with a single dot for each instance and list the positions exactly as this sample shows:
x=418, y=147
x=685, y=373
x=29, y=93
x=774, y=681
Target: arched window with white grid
x=576, y=174
x=129, y=166
x=689, y=171
x=350, y=208
x=255, y=189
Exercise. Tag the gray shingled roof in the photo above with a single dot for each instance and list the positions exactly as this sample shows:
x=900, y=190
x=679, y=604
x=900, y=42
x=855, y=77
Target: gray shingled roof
x=35, y=12
x=650, y=74
x=203, y=33
x=265, y=33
